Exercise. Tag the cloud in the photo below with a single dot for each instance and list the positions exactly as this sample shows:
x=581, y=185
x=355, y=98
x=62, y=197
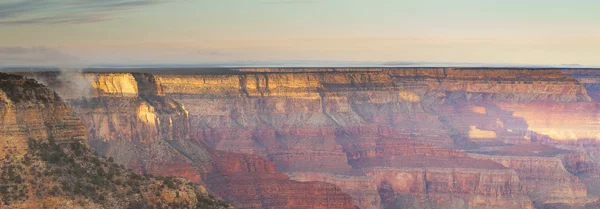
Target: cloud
x=24, y=12
x=35, y=56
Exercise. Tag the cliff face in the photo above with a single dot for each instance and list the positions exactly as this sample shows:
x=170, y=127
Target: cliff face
x=546, y=179
x=46, y=162
x=126, y=115
x=257, y=184
x=460, y=188
x=386, y=137
x=116, y=96
x=20, y=103
x=129, y=118
x=363, y=189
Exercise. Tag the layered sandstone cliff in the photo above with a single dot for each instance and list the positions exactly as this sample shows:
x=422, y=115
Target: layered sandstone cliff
x=129, y=118
x=46, y=162
x=253, y=182
x=21, y=102
x=284, y=114
x=543, y=173
x=386, y=137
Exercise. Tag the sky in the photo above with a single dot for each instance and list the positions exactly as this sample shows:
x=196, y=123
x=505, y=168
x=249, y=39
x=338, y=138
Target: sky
x=92, y=32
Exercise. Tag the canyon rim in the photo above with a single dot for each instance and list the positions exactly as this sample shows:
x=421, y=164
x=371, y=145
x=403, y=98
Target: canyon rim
x=339, y=137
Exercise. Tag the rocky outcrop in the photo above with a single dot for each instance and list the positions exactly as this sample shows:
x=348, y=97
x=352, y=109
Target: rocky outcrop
x=20, y=103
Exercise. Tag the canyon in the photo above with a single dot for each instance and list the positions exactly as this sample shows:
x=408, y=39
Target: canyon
x=342, y=137
x=45, y=160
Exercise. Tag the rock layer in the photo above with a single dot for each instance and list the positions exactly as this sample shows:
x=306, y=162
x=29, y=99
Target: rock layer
x=129, y=118
x=46, y=162
x=415, y=137
x=21, y=105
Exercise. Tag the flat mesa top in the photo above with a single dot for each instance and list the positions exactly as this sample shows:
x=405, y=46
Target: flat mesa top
x=246, y=70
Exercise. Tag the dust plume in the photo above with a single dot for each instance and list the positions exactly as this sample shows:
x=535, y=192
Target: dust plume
x=69, y=80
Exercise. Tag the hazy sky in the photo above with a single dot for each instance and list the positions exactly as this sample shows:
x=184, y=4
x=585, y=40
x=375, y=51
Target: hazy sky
x=199, y=31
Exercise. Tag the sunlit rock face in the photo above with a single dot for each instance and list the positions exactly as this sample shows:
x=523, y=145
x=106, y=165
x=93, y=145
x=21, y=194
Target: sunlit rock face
x=373, y=137
x=131, y=107
x=123, y=85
